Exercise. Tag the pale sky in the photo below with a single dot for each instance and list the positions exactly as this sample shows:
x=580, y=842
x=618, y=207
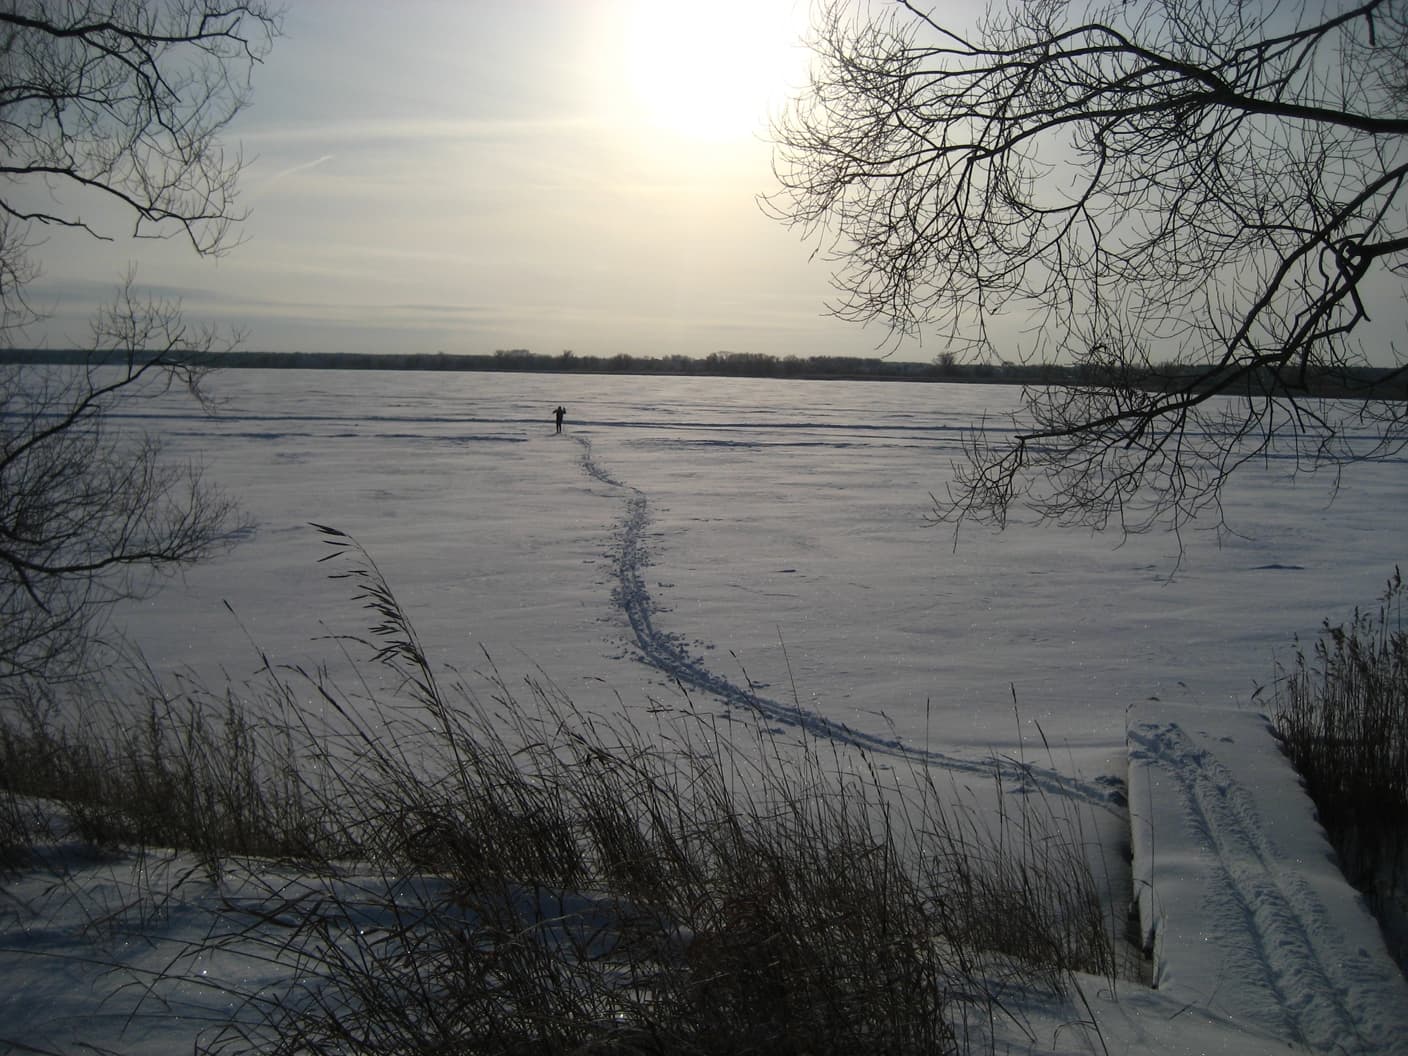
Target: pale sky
x=469, y=176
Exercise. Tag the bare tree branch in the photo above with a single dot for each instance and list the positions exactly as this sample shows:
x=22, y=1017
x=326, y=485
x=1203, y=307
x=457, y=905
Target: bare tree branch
x=122, y=102
x=90, y=515
x=1194, y=203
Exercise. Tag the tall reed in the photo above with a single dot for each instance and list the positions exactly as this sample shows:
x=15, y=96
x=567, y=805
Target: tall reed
x=1341, y=713
x=481, y=867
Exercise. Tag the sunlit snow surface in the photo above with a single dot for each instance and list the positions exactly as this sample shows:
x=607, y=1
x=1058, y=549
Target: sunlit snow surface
x=783, y=537
x=766, y=546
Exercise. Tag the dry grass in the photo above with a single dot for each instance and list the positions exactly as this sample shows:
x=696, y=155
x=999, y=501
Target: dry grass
x=206, y=774
x=1342, y=716
x=534, y=879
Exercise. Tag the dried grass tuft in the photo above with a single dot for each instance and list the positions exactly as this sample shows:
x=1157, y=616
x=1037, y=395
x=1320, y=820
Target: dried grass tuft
x=530, y=878
x=1341, y=714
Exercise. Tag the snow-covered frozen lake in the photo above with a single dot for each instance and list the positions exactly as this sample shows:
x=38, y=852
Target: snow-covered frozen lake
x=775, y=535
x=764, y=547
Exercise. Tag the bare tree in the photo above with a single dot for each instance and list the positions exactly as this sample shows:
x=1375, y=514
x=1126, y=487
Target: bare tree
x=90, y=515
x=110, y=108
x=1193, y=203
x=123, y=101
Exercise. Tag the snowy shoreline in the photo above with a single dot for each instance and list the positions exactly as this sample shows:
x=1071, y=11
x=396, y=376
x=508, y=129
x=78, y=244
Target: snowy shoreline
x=764, y=545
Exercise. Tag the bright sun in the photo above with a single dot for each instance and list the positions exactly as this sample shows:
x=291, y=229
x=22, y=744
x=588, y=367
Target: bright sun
x=712, y=71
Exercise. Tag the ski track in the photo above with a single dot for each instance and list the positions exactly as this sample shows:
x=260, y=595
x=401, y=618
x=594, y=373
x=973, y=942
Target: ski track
x=1320, y=992
x=668, y=653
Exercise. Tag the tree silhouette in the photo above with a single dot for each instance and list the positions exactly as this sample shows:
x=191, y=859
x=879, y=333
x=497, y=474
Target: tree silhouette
x=1194, y=203
x=111, y=108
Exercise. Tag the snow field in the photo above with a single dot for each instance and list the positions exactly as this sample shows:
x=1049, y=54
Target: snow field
x=1239, y=892
x=763, y=547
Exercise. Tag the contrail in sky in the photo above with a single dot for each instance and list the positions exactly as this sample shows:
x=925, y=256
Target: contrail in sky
x=298, y=168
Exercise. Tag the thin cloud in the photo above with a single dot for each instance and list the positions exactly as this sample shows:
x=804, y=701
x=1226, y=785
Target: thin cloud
x=393, y=129
x=302, y=167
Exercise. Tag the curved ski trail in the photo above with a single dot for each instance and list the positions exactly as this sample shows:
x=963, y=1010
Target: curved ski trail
x=668, y=653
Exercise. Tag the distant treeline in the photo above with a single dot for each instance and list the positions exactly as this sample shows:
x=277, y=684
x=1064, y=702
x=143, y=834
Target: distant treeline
x=1381, y=383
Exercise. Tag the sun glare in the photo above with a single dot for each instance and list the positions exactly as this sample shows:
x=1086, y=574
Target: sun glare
x=712, y=71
